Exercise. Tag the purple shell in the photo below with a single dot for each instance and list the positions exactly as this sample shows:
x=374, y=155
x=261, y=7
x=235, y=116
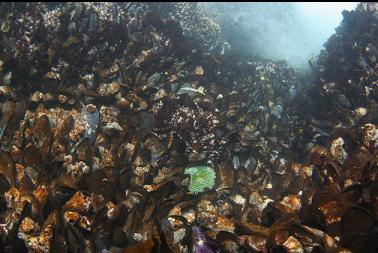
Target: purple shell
x=200, y=242
x=197, y=233
x=203, y=249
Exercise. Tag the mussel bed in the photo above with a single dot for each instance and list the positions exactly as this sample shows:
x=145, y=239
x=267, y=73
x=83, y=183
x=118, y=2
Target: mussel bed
x=108, y=111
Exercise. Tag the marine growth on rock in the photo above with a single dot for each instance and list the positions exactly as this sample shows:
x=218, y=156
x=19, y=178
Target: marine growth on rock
x=136, y=127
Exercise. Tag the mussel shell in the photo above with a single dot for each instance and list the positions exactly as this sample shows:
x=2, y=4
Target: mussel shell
x=227, y=241
x=36, y=212
x=373, y=194
x=296, y=185
x=42, y=137
x=84, y=151
x=272, y=213
x=328, y=206
x=119, y=238
x=319, y=155
x=309, y=238
x=245, y=228
x=75, y=239
x=226, y=178
x=353, y=193
x=256, y=244
x=135, y=198
x=148, y=246
x=7, y=168
x=359, y=230
x=4, y=186
x=31, y=156
x=250, y=214
x=168, y=231
x=355, y=166
x=62, y=135
x=100, y=184
x=278, y=234
x=133, y=223
x=63, y=188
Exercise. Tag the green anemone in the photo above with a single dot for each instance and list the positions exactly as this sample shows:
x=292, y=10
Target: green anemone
x=201, y=177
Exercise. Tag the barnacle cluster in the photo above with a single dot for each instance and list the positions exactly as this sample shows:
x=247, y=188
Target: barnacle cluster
x=194, y=21
x=114, y=114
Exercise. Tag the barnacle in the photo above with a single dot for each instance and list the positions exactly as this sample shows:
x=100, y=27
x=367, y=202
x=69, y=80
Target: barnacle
x=201, y=177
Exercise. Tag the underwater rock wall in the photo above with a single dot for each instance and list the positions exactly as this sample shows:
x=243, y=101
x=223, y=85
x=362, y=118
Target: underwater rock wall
x=110, y=110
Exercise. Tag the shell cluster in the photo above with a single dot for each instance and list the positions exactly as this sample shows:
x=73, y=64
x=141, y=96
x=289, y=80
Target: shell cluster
x=122, y=130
